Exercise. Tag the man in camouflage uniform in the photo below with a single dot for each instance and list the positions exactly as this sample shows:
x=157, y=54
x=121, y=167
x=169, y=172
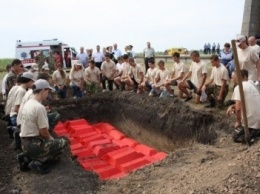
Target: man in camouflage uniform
x=40, y=59
x=37, y=143
x=218, y=91
x=51, y=61
x=16, y=68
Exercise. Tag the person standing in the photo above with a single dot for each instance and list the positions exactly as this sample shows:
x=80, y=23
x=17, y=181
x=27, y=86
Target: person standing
x=252, y=43
x=149, y=54
x=117, y=53
x=218, y=48
x=98, y=57
x=248, y=58
x=16, y=68
x=83, y=57
x=213, y=48
x=198, y=74
x=40, y=59
x=8, y=68
x=217, y=91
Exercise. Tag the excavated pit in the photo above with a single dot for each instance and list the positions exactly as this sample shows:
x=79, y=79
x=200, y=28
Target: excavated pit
x=165, y=124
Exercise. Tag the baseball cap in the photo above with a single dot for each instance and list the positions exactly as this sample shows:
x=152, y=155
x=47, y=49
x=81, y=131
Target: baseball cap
x=28, y=75
x=41, y=84
x=46, y=67
x=239, y=39
x=35, y=67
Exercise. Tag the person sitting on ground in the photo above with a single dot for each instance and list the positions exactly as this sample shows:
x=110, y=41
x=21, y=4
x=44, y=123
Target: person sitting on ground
x=123, y=80
x=37, y=143
x=92, y=78
x=77, y=80
x=108, y=70
x=177, y=74
x=59, y=78
x=218, y=91
x=119, y=70
x=198, y=74
x=149, y=76
x=162, y=74
x=252, y=104
x=135, y=76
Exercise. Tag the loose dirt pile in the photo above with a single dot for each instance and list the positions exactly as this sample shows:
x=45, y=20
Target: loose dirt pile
x=202, y=158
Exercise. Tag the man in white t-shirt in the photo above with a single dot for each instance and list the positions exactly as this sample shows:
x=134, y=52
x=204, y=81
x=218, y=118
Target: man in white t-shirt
x=217, y=91
x=177, y=74
x=108, y=70
x=162, y=74
x=37, y=143
x=92, y=78
x=248, y=58
x=149, y=76
x=135, y=75
x=252, y=103
x=252, y=43
x=198, y=74
x=82, y=57
x=8, y=68
x=117, y=53
x=98, y=57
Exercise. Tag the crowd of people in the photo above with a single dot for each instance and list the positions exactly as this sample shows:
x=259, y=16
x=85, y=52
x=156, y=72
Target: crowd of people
x=26, y=88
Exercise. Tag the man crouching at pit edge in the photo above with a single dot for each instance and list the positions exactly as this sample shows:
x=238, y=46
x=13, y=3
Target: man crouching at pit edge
x=252, y=103
x=39, y=147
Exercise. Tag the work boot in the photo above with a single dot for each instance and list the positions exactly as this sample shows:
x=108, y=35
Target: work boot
x=38, y=167
x=23, y=161
x=17, y=141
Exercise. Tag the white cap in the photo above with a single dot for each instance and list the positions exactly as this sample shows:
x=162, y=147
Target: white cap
x=35, y=66
x=239, y=39
x=28, y=75
x=41, y=84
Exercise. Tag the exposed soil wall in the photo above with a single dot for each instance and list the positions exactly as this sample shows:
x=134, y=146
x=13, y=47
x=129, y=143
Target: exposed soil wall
x=163, y=123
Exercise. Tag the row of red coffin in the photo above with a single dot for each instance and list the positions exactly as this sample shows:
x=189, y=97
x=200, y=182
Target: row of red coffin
x=106, y=151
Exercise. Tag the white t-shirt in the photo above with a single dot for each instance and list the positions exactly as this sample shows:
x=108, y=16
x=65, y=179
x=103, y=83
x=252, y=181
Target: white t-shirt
x=10, y=99
x=197, y=70
x=163, y=75
x=150, y=74
x=93, y=74
x=4, y=84
x=58, y=78
x=178, y=69
x=108, y=69
x=219, y=74
x=98, y=57
x=247, y=60
x=83, y=58
x=252, y=101
x=117, y=53
x=18, y=96
x=28, y=95
x=256, y=48
x=119, y=67
x=135, y=72
x=34, y=117
x=125, y=69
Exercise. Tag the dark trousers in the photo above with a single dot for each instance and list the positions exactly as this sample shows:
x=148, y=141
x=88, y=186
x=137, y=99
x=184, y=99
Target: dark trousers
x=110, y=83
x=146, y=60
x=98, y=65
x=62, y=93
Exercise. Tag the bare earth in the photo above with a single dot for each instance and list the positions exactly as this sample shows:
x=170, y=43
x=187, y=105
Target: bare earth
x=219, y=166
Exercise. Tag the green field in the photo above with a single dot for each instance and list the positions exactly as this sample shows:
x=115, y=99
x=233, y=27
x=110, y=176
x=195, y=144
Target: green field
x=4, y=62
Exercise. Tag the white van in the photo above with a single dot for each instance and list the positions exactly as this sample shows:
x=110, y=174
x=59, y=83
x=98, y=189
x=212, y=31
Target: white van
x=27, y=51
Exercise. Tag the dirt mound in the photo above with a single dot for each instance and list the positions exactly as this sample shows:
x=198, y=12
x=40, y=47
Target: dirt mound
x=202, y=158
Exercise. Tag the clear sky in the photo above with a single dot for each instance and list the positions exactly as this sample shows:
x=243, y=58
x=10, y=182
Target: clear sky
x=165, y=23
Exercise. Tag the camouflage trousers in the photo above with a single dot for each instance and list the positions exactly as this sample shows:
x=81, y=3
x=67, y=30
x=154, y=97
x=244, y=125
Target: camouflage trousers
x=53, y=119
x=213, y=91
x=92, y=88
x=37, y=148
